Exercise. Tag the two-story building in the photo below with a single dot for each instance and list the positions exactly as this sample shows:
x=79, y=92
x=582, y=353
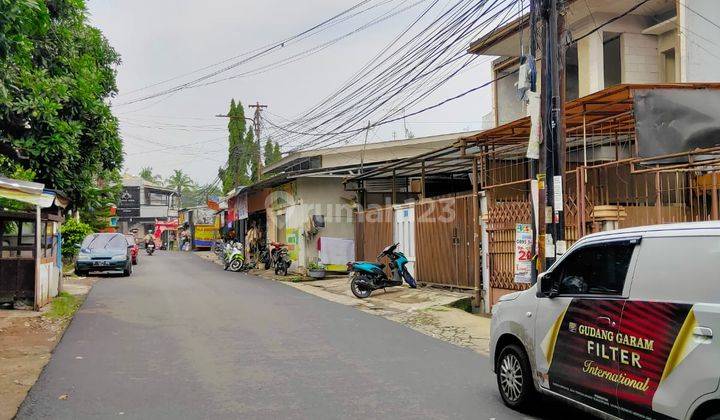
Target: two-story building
x=142, y=203
x=660, y=41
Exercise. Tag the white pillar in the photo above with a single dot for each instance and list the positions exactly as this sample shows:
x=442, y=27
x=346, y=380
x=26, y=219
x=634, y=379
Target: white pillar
x=38, y=283
x=591, y=72
x=485, y=252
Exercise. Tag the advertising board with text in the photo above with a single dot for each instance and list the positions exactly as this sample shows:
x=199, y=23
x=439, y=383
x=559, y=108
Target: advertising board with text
x=612, y=354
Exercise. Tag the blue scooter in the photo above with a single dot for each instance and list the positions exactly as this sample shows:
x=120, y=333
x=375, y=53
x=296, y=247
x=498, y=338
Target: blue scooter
x=366, y=276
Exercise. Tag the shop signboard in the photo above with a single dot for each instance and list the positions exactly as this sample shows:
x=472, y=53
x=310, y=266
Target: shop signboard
x=130, y=197
x=523, y=253
x=241, y=207
x=204, y=235
x=128, y=212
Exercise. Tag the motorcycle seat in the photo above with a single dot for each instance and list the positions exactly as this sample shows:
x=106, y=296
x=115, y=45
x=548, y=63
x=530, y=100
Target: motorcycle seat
x=379, y=265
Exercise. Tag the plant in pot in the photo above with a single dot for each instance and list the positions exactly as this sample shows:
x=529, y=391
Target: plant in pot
x=316, y=270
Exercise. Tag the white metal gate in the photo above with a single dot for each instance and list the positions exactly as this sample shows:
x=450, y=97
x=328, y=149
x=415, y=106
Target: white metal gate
x=404, y=233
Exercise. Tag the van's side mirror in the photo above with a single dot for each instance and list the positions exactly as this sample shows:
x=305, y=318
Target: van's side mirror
x=547, y=285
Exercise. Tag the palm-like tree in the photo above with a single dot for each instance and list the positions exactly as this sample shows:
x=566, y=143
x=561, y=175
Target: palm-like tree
x=179, y=181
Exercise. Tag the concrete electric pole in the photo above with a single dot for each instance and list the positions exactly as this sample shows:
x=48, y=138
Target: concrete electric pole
x=256, y=124
x=553, y=123
x=548, y=170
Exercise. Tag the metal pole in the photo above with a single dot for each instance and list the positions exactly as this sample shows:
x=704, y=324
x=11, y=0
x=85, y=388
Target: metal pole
x=534, y=164
x=553, y=122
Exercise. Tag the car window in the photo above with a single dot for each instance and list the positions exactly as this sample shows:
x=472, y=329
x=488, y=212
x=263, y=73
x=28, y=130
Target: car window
x=595, y=269
x=100, y=241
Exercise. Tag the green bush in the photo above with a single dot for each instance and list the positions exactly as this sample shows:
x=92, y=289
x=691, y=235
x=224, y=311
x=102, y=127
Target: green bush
x=73, y=233
x=316, y=266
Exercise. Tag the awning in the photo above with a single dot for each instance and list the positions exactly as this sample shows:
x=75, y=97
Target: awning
x=27, y=192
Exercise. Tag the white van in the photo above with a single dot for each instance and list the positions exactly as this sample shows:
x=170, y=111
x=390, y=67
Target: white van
x=621, y=325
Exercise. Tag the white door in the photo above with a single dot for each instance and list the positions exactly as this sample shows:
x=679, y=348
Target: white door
x=404, y=233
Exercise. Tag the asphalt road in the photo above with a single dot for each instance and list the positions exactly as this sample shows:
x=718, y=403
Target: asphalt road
x=181, y=339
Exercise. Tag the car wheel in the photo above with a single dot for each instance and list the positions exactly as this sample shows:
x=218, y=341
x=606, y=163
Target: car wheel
x=127, y=271
x=81, y=273
x=514, y=377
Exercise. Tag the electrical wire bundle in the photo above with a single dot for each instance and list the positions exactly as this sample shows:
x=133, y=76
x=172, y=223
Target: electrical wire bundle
x=402, y=75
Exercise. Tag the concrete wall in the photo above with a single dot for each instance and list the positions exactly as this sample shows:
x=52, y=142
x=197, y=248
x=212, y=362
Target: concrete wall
x=508, y=106
x=699, y=40
x=325, y=196
x=590, y=64
x=371, y=154
x=315, y=196
x=639, y=58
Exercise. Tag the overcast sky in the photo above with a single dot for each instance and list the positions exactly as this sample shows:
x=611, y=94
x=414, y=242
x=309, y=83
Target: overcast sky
x=161, y=39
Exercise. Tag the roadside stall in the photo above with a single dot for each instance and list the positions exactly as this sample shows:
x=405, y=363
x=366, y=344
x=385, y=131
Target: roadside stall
x=30, y=257
x=163, y=231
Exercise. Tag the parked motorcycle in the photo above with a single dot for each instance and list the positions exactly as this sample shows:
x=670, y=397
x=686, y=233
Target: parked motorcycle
x=366, y=276
x=234, y=256
x=150, y=248
x=262, y=256
x=218, y=247
x=280, y=258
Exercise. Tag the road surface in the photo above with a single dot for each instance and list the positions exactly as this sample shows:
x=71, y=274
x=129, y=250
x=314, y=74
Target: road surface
x=181, y=339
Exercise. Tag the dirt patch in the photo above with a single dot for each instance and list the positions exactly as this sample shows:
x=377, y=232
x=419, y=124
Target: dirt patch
x=27, y=339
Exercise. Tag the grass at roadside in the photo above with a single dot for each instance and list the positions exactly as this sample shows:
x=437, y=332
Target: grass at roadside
x=63, y=306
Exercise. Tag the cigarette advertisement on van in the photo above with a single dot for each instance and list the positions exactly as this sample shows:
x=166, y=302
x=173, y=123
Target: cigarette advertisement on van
x=617, y=367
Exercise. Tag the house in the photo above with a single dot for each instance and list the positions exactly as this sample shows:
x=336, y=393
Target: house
x=142, y=203
x=30, y=252
x=661, y=41
x=302, y=200
x=623, y=82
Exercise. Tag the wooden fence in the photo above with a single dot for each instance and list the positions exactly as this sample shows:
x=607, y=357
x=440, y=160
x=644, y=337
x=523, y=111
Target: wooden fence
x=443, y=242
x=373, y=232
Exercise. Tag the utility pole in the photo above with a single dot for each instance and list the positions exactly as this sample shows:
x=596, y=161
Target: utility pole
x=256, y=124
x=536, y=162
x=553, y=127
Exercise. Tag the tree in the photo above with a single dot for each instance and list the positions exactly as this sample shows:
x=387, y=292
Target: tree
x=56, y=75
x=277, y=154
x=198, y=195
x=73, y=233
x=146, y=173
x=179, y=181
x=271, y=152
x=241, y=147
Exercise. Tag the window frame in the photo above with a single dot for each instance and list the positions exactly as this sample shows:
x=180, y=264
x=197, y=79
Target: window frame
x=635, y=240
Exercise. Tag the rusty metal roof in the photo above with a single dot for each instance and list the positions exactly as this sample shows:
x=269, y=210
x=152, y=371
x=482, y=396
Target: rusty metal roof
x=612, y=107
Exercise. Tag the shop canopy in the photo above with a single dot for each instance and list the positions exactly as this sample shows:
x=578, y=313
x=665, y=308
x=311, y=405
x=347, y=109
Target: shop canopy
x=27, y=192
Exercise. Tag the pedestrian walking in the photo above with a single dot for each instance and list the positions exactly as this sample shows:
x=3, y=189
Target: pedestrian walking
x=171, y=241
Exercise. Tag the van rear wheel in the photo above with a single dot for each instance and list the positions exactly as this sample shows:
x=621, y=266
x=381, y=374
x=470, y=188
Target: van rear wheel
x=514, y=378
